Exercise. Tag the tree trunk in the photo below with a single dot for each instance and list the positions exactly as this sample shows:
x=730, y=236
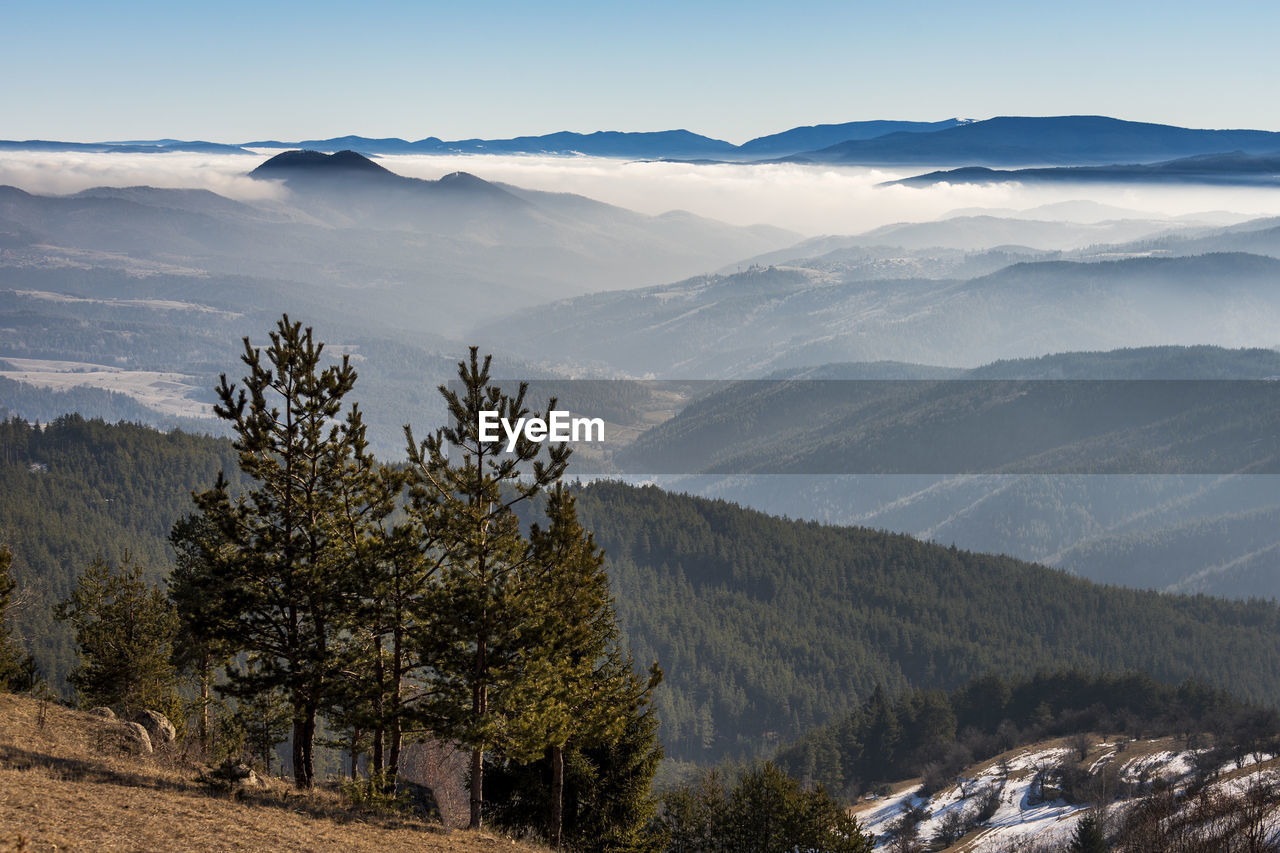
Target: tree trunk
x=299, y=759
x=393, y=736
x=304, y=734
x=477, y=786
x=376, y=776
x=557, y=796
x=355, y=753
x=308, y=747
x=204, y=703
x=479, y=707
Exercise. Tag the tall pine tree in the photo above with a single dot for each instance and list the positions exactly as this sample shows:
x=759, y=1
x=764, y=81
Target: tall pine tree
x=200, y=647
x=486, y=600
x=393, y=572
x=283, y=574
x=576, y=684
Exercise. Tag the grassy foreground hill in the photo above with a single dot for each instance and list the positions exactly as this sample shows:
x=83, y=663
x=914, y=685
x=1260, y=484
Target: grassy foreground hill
x=63, y=786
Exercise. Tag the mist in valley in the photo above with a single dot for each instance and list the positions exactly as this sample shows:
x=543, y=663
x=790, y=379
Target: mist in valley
x=810, y=200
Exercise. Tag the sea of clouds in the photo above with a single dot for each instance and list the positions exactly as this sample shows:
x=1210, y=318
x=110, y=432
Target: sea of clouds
x=811, y=200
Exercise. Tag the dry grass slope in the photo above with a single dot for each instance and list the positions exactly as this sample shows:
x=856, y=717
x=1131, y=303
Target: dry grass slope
x=68, y=783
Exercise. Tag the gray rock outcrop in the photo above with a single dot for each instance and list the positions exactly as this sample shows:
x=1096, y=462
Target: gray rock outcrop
x=137, y=741
x=158, y=727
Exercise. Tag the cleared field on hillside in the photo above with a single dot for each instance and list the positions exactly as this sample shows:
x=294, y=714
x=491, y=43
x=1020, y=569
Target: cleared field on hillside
x=65, y=785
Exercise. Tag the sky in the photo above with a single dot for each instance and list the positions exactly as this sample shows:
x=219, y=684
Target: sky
x=238, y=72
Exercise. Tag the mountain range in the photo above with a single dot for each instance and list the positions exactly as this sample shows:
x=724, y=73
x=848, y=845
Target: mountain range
x=1000, y=141
x=137, y=290
x=1234, y=168
x=1050, y=140
x=762, y=319
x=347, y=223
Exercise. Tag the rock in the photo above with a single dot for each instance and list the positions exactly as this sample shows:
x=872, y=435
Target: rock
x=158, y=727
x=421, y=799
x=237, y=772
x=137, y=740
x=103, y=711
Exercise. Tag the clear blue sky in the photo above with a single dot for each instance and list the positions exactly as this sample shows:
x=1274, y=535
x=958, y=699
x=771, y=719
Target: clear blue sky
x=234, y=71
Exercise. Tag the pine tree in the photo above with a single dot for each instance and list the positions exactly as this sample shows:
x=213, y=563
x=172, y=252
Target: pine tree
x=880, y=742
x=485, y=598
x=283, y=573
x=200, y=645
x=608, y=803
x=374, y=655
x=124, y=630
x=575, y=685
x=1088, y=836
x=765, y=812
x=689, y=815
x=17, y=668
x=266, y=719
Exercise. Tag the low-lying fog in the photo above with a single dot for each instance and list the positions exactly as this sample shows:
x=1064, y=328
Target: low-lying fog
x=811, y=200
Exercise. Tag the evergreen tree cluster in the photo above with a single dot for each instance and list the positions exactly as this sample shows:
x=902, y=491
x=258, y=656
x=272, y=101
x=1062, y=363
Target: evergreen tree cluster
x=124, y=629
x=403, y=602
x=460, y=595
x=766, y=627
x=764, y=811
x=934, y=734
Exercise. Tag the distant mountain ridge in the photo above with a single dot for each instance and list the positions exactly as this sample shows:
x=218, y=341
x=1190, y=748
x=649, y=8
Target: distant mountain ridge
x=153, y=147
x=1154, y=410
x=1234, y=167
x=1004, y=140
x=818, y=136
x=315, y=170
x=1194, y=534
x=1001, y=141
x=309, y=161
x=1044, y=141
x=765, y=319
x=602, y=143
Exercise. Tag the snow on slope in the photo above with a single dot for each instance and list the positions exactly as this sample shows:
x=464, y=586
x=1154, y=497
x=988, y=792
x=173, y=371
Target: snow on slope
x=1022, y=820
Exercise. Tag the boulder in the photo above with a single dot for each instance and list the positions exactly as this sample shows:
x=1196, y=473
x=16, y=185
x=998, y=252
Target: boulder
x=237, y=773
x=157, y=726
x=235, y=770
x=136, y=739
x=104, y=712
x=421, y=799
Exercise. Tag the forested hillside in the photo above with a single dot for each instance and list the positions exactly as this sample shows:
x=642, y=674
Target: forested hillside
x=1175, y=532
x=764, y=626
x=1144, y=410
x=934, y=734
x=767, y=626
x=75, y=489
